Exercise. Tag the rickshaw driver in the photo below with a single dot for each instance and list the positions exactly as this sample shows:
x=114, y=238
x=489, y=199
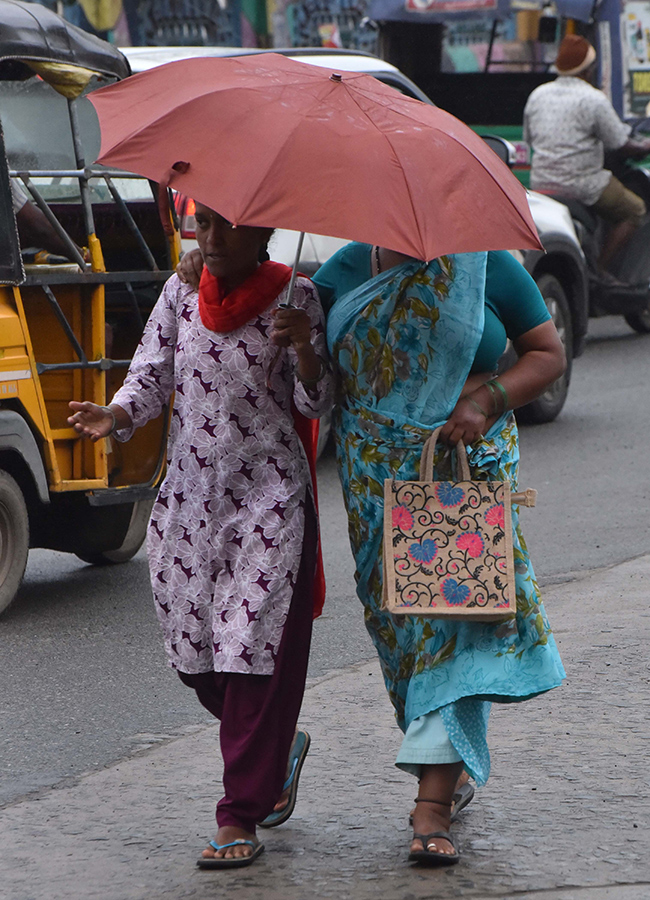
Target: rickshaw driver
x=34, y=229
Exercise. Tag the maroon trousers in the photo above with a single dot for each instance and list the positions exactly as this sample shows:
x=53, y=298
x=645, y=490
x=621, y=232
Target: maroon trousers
x=258, y=713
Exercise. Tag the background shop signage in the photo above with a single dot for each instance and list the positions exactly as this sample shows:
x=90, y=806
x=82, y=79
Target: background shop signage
x=437, y=11
x=635, y=35
x=450, y=6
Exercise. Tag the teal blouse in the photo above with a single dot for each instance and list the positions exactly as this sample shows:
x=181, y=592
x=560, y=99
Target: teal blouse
x=513, y=303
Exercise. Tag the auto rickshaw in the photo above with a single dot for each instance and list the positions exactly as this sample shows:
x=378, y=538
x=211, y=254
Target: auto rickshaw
x=68, y=327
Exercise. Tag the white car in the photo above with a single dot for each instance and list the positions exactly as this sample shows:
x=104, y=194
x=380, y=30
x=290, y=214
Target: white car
x=560, y=271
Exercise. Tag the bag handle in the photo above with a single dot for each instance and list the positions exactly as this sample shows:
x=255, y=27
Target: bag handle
x=429, y=452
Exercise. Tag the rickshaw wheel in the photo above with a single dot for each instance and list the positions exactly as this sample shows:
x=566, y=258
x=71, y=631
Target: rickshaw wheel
x=133, y=539
x=14, y=538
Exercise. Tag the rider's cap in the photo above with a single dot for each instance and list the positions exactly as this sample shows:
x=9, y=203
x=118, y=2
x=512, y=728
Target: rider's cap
x=575, y=55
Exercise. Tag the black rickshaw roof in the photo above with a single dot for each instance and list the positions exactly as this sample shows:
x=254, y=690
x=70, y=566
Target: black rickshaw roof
x=29, y=31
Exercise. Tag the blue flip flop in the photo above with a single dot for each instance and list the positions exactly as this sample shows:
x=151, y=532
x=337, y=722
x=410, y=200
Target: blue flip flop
x=235, y=862
x=297, y=756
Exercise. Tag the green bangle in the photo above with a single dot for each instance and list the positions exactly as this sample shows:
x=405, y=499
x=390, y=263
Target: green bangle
x=480, y=408
x=506, y=402
x=493, y=397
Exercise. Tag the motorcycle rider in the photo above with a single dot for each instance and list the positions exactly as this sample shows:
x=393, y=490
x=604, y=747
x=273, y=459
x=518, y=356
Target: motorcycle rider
x=569, y=123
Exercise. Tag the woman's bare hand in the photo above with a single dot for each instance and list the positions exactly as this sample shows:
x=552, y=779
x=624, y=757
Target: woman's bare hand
x=91, y=420
x=291, y=327
x=190, y=267
x=465, y=424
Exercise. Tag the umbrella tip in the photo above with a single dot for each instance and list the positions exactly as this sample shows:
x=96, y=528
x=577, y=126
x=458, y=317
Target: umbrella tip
x=336, y=77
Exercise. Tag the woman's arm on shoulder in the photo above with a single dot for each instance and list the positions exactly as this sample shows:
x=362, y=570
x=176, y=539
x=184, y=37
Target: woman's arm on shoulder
x=190, y=268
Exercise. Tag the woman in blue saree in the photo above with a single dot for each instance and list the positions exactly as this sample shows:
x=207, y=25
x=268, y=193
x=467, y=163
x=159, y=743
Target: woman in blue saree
x=416, y=347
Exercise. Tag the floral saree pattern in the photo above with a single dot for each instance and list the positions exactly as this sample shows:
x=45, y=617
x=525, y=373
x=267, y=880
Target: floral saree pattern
x=404, y=344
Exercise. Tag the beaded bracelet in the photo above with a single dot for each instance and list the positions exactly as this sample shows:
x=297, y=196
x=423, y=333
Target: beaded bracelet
x=114, y=425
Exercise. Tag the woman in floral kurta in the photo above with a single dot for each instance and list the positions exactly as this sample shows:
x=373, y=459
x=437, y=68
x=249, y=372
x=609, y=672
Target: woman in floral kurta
x=232, y=537
x=404, y=339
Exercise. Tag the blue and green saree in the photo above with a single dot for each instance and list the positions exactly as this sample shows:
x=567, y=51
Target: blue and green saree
x=404, y=343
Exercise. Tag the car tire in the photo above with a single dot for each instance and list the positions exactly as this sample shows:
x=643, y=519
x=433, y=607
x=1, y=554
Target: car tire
x=14, y=538
x=133, y=539
x=640, y=321
x=547, y=407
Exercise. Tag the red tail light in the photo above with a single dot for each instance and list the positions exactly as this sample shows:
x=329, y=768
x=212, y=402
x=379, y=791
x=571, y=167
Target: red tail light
x=188, y=222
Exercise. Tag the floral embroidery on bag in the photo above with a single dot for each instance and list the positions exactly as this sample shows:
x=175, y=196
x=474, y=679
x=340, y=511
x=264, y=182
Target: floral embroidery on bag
x=472, y=544
x=423, y=552
x=449, y=495
x=447, y=539
x=455, y=594
x=402, y=517
x=494, y=516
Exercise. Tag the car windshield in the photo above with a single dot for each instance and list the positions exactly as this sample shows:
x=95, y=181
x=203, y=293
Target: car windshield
x=38, y=136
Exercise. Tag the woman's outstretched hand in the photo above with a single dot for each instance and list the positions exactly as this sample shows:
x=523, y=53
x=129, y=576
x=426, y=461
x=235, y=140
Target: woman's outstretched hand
x=91, y=420
x=190, y=267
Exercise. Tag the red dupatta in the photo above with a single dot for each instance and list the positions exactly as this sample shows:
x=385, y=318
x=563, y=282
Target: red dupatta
x=223, y=312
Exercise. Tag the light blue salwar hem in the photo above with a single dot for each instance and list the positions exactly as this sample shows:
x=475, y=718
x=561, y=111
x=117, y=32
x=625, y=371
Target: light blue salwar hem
x=426, y=743
x=466, y=722
x=453, y=733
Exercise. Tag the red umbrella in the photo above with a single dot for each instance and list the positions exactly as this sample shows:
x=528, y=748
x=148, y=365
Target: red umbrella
x=266, y=140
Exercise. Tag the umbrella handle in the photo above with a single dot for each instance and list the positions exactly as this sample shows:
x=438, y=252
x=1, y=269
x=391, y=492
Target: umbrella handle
x=294, y=272
x=288, y=304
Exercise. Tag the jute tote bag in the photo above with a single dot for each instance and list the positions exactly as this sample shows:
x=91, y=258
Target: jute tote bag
x=448, y=544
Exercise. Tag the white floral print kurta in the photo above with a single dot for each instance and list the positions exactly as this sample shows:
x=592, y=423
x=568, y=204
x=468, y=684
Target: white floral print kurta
x=226, y=531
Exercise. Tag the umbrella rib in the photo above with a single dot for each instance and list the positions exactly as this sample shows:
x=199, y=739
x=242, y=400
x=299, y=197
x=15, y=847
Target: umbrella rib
x=450, y=136
x=397, y=160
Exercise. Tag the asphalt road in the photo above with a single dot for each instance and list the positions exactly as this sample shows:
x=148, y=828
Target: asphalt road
x=84, y=683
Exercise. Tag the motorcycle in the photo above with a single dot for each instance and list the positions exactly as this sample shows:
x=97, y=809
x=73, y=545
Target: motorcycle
x=628, y=294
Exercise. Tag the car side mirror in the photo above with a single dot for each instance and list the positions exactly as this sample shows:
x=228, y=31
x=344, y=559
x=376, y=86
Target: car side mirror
x=503, y=148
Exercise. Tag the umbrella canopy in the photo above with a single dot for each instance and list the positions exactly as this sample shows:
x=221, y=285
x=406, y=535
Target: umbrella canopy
x=270, y=141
